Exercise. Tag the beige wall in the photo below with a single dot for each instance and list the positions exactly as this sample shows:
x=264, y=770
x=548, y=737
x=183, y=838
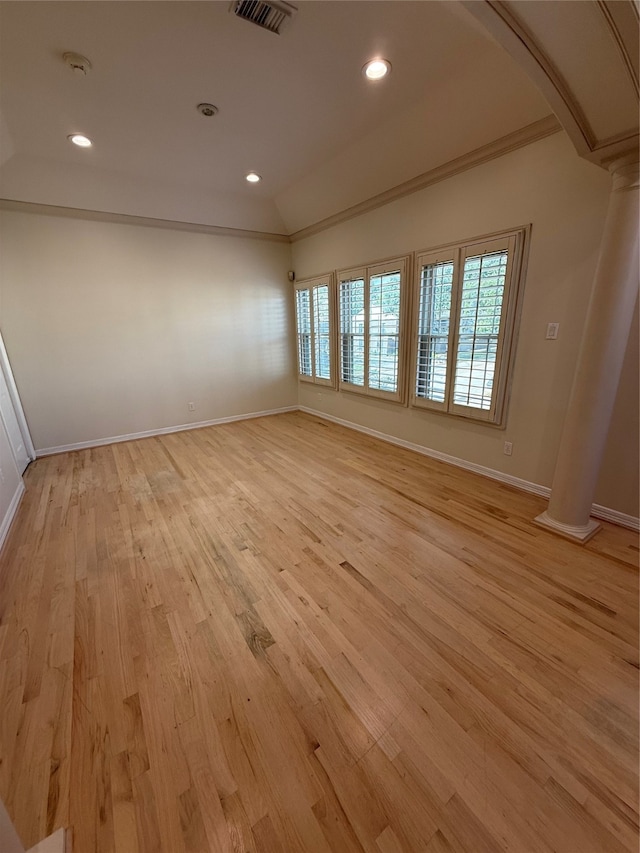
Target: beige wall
x=565, y=199
x=113, y=329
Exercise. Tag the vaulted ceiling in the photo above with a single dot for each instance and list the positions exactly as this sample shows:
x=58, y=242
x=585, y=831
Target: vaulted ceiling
x=294, y=107
x=584, y=56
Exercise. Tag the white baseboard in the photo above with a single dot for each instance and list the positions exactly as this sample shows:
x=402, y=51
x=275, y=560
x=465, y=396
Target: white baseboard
x=615, y=517
x=116, y=439
x=597, y=511
x=11, y=511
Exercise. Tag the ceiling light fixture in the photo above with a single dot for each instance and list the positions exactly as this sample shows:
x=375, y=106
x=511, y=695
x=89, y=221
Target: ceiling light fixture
x=80, y=140
x=253, y=178
x=376, y=69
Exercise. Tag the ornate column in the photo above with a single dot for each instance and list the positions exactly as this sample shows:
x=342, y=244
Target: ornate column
x=595, y=384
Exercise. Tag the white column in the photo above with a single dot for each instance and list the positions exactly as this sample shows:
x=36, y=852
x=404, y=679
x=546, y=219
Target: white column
x=604, y=342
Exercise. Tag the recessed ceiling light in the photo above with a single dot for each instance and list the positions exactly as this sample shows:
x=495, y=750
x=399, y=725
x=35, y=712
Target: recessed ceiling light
x=376, y=69
x=80, y=140
x=253, y=178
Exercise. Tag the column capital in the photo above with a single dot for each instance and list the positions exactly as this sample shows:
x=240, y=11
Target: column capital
x=625, y=171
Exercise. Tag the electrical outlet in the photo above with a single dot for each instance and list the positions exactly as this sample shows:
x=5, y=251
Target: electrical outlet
x=552, y=331
x=192, y=407
x=508, y=448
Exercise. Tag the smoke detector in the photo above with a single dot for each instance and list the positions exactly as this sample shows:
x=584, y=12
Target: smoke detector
x=207, y=110
x=79, y=64
x=271, y=15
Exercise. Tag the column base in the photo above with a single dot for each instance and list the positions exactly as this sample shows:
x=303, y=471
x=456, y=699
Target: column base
x=577, y=534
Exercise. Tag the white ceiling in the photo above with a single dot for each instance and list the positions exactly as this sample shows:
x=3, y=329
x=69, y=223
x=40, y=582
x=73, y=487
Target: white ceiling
x=293, y=107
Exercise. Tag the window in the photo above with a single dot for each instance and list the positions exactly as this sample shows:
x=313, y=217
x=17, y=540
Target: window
x=372, y=306
x=314, y=326
x=464, y=328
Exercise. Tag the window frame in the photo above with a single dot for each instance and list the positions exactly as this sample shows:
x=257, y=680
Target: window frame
x=516, y=242
x=311, y=284
x=403, y=265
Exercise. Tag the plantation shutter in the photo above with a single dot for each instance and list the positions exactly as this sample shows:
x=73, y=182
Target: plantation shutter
x=321, y=331
x=434, y=328
x=481, y=323
x=352, y=330
x=384, y=331
x=303, y=317
x=464, y=318
x=315, y=315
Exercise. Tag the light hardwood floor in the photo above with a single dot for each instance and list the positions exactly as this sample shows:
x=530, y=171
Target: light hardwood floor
x=282, y=635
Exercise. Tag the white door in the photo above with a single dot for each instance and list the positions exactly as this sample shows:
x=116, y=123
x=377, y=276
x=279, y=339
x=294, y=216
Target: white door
x=12, y=426
x=12, y=414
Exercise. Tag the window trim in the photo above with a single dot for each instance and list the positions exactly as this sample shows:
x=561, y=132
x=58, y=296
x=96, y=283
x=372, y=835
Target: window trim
x=517, y=242
x=404, y=265
x=326, y=280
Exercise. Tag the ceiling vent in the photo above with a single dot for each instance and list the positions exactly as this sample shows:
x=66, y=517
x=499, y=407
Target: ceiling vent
x=272, y=15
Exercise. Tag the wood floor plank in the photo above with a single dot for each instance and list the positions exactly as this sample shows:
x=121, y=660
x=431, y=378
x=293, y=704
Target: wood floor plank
x=283, y=636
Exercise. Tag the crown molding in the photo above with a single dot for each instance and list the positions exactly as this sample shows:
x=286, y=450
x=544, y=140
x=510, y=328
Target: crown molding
x=504, y=145
x=144, y=221
x=525, y=136
x=622, y=145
